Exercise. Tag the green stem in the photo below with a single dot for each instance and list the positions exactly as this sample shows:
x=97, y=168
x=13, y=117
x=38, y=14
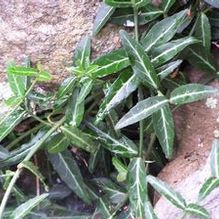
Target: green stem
x=19, y=167
x=136, y=23
x=20, y=138
x=150, y=146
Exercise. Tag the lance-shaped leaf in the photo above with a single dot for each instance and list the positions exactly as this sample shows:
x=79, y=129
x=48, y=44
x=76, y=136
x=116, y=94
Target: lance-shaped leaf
x=167, y=69
x=137, y=186
x=57, y=143
x=164, y=129
x=110, y=63
x=197, y=56
x=69, y=172
x=214, y=3
x=22, y=71
x=197, y=210
x=161, y=187
x=17, y=84
x=75, y=109
x=66, y=87
x=167, y=4
x=214, y=158
x=126, y=16
x=209, y=185
x=122, y=146
x=79, y=138
x=203, y=31
x=122, y=87
x=140, y=61
x=127, y=3
x=149, y=211
x=164, y=30
x=8, y=123
x=114, y=193
x=103, y=15
x=142, y=110
x=82, y=53
x=190, y=93
x=104, y=208
x=24, y=209
x=167, y=51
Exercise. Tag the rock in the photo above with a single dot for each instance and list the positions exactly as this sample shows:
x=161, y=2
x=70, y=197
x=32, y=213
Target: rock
x=48, y=31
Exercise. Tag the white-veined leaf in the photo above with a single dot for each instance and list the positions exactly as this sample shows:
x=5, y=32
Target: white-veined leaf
x=110, y=63
x=165, y=52
x=142, y=110
x=79, y=139
x=103, y=15
x=214, y=158
x=122, y=146
x=197, y=210
x=137, y=186
x=161, y=187
x=127, y=3
x=149, y=211
x=164, y=129
x=70, y=173
x=140, y=61
x=209, y=185
x=167, y=69
x=167, y=4
x=24, y=209
x=164, y=30
x=190, y=93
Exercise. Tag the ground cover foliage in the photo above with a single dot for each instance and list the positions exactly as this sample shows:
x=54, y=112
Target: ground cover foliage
x=92, y=149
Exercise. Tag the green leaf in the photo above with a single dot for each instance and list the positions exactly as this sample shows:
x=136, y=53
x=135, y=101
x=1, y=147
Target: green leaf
x=75, y=109
x=103, y=15
x=125, y=16
x=104, y=207
x=22, y=71
x=24, y=209
x=137, y=186
x=213, y=3
x=8, y=123
x=35, y=170
x=139, y=60
x=167, y=4
x=203, y=31
x=82, y=53
x=127, y=3
x=161, y=187
x=123, y=146
x=190, y=93
x=17, y=84
x=66, y=87
x=93, y=159
x=142, y=110
x=214, y=158
x=70, y=173
x=57, y=143
x=110, y=63
x=209, y=185
x=121, y=168
x=165, y=52
x=197, y=210
x=122, y=87
x=164, y=129
x=149, y=211
x=164, y=30
x=197, y=56
x=79, y=138
x=167, y=69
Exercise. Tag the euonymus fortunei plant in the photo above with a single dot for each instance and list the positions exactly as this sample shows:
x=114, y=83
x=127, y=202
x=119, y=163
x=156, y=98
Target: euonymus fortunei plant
x=114, y=114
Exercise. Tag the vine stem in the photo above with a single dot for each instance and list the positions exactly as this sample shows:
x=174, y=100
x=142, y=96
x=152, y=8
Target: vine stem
x=140, y=93
x=20, y=167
